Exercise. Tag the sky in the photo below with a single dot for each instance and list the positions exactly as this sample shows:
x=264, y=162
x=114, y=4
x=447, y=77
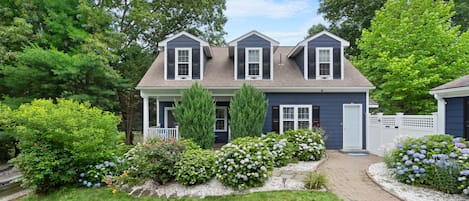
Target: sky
x=286, y=21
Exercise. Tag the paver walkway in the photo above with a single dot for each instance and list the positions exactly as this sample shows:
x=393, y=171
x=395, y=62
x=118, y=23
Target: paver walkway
x=347, y=177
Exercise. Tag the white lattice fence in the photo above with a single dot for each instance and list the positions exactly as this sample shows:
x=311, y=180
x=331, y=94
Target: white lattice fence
x=385, y=130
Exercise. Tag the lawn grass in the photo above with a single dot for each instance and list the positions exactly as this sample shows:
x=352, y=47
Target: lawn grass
x=99, y=194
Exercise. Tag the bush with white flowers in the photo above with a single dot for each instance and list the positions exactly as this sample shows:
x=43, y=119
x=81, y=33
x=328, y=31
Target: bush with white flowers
x=196, y=166
x=245, y=162
x=308, y=144
x=280, y=147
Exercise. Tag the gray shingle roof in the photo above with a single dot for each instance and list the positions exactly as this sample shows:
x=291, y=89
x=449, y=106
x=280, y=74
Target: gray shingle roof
x=219, y=72
x=461, y=82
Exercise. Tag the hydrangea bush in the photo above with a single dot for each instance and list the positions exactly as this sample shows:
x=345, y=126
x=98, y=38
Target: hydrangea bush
x=196, y=166
x=245, y=162
x=280, y=147
x=438, y=161
x=308, y=145
x=98, y=175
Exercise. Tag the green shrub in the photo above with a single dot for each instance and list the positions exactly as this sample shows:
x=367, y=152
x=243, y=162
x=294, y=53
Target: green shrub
x=196, y=116
x=308, y=145
x=98, y=175
x=196, y=166
x=280, y=147
x=315, y=180
x=248, y=110
x=7, y=136
x=153, y=160
x=245, y=162
x=58, y=141
x=438, y=161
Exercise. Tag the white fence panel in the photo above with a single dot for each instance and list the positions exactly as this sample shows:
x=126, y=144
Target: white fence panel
x=385, y=130
x=163, y=133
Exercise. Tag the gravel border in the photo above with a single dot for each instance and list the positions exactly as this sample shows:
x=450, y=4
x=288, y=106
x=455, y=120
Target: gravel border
x=380, y=174
x=293, y=172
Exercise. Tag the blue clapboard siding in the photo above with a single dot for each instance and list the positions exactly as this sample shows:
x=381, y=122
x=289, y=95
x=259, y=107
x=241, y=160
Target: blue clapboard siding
x=324, y=41
x=183, y=42
x=254, y=41
x=455, y=116
x=331, y=106
x=300, y=59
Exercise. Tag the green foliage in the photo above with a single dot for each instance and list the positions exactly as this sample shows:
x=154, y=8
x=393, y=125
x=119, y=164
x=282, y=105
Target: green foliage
x=153, y=160
x=196, y=116
x=196, y=166
x=410, y=48
x=316, y=29
x=315, y=180
x=281, y=149
x=7, y=136
x=248, y=110
x=461, y=7
x=59, y=140
x=308, y=145
x=243, y=163
x=348, y=18
x=438, y=161
x=98, y=175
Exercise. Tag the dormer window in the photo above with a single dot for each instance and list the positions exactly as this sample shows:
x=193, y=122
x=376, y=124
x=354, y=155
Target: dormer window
x=253, y=63
x=183, y=63
x=324, y=63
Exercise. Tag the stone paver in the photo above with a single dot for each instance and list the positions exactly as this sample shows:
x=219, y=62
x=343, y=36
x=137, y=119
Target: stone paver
x=347, y=177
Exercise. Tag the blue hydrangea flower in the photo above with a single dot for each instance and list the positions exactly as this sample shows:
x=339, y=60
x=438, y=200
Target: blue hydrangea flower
x=423, y=151
x=405, y=158
x=400, y=172
x=453, y=155
x=465, y=172
x=410, y=152
x=408, y=162
x=423, y=147
x=82, y=174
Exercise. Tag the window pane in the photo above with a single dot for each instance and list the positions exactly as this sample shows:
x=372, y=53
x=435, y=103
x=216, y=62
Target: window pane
x=288, y=113
x=324, y=56
x=288, y=125
x=220, y=125
x=324, y=69
x=220, y=113
x=253, y=69
x=183, y=69
x=303, y=124
x=303, y=113
x=183, y=55
x=253, y=56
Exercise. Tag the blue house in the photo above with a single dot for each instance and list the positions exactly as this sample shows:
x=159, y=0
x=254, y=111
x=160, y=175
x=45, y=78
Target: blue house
x=453, y=107
x=310, y=84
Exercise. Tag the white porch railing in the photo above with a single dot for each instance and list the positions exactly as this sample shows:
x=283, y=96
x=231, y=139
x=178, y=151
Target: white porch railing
x=163, y=133
x=384, y=130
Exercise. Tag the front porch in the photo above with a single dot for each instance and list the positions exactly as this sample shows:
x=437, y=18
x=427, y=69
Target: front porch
x=159, y=121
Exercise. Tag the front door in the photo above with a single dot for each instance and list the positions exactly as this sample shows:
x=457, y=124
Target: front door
x=352, y=127
x=169, y=120
x=466, y=118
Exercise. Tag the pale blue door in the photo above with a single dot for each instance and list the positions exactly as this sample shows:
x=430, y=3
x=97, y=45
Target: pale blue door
x=352, y=126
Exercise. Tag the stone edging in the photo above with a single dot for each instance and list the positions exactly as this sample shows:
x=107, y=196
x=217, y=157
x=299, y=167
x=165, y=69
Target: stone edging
x=381, y=186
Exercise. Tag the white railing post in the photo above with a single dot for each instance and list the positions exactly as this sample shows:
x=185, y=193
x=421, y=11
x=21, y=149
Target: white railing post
x=399, y=120
x=436, y=128
x=145, y=118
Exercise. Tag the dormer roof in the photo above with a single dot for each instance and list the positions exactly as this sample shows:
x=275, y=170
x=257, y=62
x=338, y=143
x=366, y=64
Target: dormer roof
x=204, y=44
x=304, y=43
x=254, y=32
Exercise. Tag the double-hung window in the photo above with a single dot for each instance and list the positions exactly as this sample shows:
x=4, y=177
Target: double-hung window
x=253, y=63
x=183, y=63
x=324, y=63
x=293, y=117
x=221, y=119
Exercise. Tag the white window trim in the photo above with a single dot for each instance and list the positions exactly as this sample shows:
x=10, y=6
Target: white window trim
x=246, y=69
x=331, y=59
x=225, y=119
x=182, y=77
x=295, y=115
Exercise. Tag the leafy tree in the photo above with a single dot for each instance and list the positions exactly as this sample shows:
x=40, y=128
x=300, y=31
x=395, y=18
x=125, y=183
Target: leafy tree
x=196, y=116
x=248, y=110
x=462, y=14
x=316, y=29
x=410, y=48
x=58, y=141
x=7, y=136
x=348, y=17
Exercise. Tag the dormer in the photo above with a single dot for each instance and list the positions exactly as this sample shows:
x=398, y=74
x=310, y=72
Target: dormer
x=320, y=57
x=252, y=55
x=185, y=56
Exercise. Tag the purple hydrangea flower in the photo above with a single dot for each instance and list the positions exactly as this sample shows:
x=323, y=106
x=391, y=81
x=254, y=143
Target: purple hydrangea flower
x=465, y=172
x=405, y=158
x=423, y=147
x=423, y=151
x=408, y=162
x=453, y=155
x=460, y=145
x=410, y=152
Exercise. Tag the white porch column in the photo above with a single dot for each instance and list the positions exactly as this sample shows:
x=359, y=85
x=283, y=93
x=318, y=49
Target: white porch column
x=158, y=113
x=145, y=118
x=441, y=114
